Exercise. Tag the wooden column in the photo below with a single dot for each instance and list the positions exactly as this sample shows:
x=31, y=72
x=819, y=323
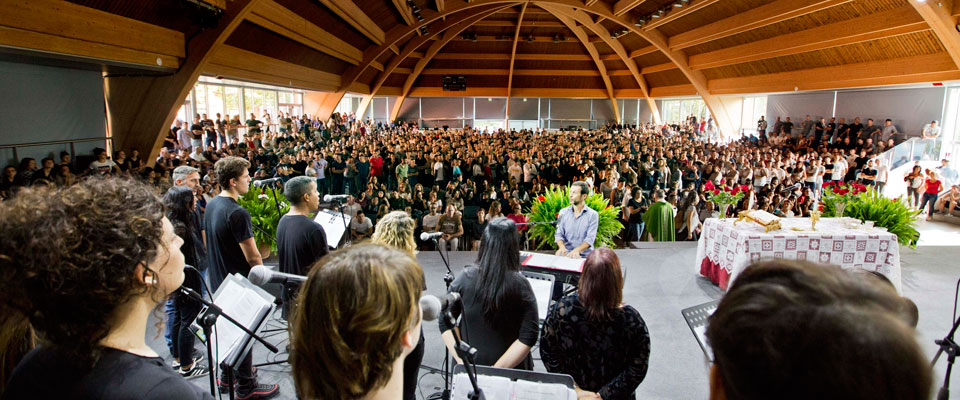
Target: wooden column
x=140, y=109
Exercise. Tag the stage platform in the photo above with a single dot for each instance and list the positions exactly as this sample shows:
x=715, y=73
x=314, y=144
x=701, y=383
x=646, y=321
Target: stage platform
x=661, y=280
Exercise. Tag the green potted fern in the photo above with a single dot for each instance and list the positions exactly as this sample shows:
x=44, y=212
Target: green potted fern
x=546, y=208
x=265, y=216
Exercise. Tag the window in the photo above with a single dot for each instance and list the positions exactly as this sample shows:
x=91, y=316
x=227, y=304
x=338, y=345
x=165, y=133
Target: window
x=259, y=102
x=232, y=101
x=490, y=125
x=520, y=124
x=753, y=108
x=677, y=111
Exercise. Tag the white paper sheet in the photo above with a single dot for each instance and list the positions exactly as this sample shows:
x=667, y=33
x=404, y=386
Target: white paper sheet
x=243, y=305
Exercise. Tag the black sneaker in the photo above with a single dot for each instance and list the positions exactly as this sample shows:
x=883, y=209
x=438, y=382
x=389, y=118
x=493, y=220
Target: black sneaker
x=197, y=371
x=176, y=364
x=263, y=391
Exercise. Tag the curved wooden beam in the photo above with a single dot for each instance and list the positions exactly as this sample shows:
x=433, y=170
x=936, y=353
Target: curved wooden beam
x=592, y=49
x=600, y=9
x=140, y=109
x=938, y=14
x=446, y=36
x=617, y=47
x=513, y=57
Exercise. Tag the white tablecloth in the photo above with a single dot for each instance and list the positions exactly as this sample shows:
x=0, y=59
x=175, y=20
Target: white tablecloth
x=724, y=249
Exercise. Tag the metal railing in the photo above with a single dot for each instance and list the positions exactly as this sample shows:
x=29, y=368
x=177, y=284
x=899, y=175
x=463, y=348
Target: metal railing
x=107, y=142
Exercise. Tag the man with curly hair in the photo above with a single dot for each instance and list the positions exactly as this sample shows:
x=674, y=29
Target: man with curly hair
x=231, y=249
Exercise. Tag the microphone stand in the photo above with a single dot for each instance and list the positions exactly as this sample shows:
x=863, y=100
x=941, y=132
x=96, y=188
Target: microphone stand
x=344, y=218
x=207, y=321
x=949, y=346
x=447, y=369
x=468, y=355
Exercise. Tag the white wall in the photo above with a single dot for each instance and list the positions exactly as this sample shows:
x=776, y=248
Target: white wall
x=43, y=104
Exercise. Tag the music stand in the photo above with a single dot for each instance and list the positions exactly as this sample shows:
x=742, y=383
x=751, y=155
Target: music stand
x=542, y=285
x=505, y=382
x=697, y=318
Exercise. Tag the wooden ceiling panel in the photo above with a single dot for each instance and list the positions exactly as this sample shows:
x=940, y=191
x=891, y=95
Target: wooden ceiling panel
x=322, y=17
x=459, y=46
x=382, y=12
x=565, y=65
x=913, y=44
x=368, y=76
x=259, y=40
x=571, y=82
x=632, y=41
x=624, y=82
x=473, y=81
x=168, y=14
x=468, y=63
x=711, y=13
x=831, y=15
x=666, y=78
x=395, y=79
x=655, y=58
x=614, y=64
x=571, y=46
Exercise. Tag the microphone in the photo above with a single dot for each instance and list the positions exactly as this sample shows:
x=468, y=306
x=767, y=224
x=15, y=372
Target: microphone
x=425, y=236
x=433, y=307
x=261, y=275
x=265, y=182
x=334, y=197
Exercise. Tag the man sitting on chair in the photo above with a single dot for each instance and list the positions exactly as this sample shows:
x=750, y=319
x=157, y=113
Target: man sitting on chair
x=451, y=227
x=577, y=224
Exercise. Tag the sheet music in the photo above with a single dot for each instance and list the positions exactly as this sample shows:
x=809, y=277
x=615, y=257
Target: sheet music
x=568, y=264
x=494, y=387
x=502, y=388
x=542, y=290
x=525, y=390
x=333, y=225
x=243, y=305
x=541, y=260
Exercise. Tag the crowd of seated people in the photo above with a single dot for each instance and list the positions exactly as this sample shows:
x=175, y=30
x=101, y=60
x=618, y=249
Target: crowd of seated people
x=483, y=175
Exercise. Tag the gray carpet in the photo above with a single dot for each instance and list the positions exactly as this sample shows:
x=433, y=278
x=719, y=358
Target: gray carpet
x=661, y=280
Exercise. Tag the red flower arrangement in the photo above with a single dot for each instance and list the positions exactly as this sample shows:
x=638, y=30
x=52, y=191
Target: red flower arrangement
x=541, y=198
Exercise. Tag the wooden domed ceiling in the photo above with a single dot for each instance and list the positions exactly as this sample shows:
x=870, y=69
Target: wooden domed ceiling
x=549, y=48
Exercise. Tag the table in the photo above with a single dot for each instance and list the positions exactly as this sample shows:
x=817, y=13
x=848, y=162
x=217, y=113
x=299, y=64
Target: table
x=724, y=250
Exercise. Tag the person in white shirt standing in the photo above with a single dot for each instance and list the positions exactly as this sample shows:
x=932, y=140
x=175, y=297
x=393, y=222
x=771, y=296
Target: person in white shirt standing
x=931, y=141
x=839, y=169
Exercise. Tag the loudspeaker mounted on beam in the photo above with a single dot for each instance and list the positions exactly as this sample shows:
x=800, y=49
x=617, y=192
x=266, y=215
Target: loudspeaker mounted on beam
x=453, y=83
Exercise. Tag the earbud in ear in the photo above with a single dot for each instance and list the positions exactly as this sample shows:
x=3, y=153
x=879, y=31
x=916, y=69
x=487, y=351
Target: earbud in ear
x=148, y=280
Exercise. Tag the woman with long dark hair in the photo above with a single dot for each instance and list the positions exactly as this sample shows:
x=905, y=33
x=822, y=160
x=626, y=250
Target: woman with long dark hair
x=180, y=204
x=592, y=336
x=499, y=308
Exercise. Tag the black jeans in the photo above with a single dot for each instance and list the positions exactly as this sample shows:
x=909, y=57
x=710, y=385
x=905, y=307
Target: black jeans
x=185, y=310
x=411, y=370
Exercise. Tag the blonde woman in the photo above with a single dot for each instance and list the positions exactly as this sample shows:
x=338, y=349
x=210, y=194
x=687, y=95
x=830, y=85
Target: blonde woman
x=395, y=230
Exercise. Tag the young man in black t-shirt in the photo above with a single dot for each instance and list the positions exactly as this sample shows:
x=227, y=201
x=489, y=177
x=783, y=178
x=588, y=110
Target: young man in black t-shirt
x=231, y=248
x=300, y=240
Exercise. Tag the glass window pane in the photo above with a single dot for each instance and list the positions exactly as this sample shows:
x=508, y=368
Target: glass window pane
x=232, y=101
x=201, y=96
x=215, y=99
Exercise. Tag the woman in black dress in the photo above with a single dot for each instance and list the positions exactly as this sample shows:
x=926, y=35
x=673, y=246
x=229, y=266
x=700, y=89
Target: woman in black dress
x=499, y=308
x=592, y=336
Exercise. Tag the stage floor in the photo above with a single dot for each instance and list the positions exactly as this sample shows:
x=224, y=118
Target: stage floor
x=661, y=280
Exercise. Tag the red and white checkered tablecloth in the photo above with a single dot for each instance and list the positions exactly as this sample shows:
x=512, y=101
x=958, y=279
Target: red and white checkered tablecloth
x=724, y=249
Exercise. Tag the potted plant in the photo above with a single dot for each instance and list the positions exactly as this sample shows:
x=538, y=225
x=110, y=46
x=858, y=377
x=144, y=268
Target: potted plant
x=725, y=196
x=265, y=208
x=546, y=208
x=836, y=197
